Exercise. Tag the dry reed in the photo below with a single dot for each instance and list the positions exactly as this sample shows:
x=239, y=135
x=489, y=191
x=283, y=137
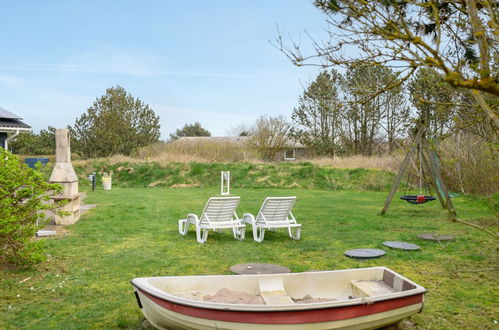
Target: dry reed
x=199, y=151
x=387, y=162
x=228, y=151
x=470, y=165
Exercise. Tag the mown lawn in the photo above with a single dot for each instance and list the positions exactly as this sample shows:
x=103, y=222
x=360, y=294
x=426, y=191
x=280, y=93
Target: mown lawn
x=133, y=233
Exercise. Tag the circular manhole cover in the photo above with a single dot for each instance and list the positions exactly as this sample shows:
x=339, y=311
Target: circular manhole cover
x=401, y=245
x=365, y=253
x=436, y=237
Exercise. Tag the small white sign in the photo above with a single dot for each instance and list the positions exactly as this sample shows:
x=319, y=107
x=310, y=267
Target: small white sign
x=225, y=183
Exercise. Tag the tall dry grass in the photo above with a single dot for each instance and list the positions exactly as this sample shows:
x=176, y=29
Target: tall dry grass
x=470, y=165
x=385, y=162
x=186, y=152
x=227, y=151
x=162, y=159
x=200, y=151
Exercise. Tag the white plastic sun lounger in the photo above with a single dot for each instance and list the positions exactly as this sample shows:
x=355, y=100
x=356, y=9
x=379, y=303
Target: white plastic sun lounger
x=219, y=213
x=274, y=213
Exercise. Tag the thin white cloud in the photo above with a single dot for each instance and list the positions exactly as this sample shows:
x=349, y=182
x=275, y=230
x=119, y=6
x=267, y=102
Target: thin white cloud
x=40, y=93
x=245, y=101
x=40, y=106
x=114, y=61
x=59, y=101
x=143, y=71
x=11, y=81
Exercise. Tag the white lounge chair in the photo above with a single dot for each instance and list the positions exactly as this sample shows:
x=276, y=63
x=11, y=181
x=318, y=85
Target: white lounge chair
x=274, y=213
x=219, y=213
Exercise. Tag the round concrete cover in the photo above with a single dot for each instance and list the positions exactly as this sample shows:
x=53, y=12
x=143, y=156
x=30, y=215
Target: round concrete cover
x=365, y=253
x=258, y=268
x=436, y=237
x=401, y=245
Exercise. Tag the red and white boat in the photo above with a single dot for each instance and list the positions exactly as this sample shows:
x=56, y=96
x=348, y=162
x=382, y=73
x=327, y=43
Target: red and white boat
x=364, y=298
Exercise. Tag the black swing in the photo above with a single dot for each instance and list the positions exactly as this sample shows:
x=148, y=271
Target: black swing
x=421, y=198
x=417, y=199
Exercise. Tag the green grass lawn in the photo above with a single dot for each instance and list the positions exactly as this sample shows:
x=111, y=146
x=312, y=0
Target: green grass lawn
x=134, y=232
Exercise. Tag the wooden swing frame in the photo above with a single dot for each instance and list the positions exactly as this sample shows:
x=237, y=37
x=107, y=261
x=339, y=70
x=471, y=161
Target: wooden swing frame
x=428, y=159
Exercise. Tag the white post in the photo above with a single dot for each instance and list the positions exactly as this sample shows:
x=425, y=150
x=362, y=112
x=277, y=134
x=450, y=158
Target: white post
x=225, y=183
x=10, y=138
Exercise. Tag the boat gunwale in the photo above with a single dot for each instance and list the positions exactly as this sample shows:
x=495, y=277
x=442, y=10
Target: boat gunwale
x=169, y=297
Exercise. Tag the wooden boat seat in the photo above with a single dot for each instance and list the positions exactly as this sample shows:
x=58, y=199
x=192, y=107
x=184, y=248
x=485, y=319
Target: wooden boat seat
x=276, y=298
x=370, y=288
x=273, y=293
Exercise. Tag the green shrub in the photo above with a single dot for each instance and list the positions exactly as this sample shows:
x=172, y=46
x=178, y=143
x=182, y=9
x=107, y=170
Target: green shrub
x=23, y=192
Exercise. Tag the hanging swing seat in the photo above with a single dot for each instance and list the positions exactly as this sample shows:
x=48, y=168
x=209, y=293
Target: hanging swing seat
x=417, y=199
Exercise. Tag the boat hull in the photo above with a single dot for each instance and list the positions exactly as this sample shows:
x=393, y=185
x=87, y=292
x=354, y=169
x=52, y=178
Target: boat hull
x=163, y=315
x=164, y=307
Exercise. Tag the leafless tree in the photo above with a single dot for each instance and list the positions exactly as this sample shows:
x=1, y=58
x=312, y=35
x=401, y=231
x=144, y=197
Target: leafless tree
x=456, y=38
x=269, y=135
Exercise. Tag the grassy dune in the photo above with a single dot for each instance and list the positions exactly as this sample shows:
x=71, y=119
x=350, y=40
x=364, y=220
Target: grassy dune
x=303, y=175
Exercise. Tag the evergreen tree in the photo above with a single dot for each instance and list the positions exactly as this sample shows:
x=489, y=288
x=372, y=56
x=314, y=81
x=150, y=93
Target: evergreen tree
x=434, y=100
x=190, y=130
x=317, y=120
x=117, y=123
x=42, y=143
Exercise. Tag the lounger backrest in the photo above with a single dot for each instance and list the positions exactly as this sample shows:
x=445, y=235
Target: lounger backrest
x=276, y=208
x=220, y=209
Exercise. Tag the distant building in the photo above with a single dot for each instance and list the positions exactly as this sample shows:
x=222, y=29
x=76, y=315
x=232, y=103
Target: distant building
x=10, y=127
x=290, y=152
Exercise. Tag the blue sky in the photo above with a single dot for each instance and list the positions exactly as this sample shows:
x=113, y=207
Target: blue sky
x=206, y=61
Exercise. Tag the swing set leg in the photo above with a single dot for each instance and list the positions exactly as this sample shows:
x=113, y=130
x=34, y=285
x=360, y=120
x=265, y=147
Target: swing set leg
x=433, y=182
x=440, y=184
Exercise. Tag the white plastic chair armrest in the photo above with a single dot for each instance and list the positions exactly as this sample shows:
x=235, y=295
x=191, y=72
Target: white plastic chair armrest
x=192, y=218
x=293, y=219
x=248, y=218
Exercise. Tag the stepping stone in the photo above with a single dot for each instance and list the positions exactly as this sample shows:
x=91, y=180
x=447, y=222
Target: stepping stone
x=365, y=253
x=401, y=245
x=258, y=268
x=87, y=206
x=45, y=233
x=436, y=237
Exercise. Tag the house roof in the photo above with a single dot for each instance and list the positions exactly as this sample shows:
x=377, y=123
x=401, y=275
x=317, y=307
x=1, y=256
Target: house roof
x=7, y=114
x=13, y=124
x=10, y=121
x=233, y=139
x=237, y=139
